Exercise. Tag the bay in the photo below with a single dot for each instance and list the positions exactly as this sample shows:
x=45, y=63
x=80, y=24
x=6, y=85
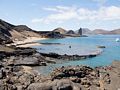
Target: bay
x=81, y=46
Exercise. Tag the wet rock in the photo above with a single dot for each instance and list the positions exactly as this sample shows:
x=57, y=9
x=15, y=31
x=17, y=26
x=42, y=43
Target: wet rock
x=101, y=46
x=69, y=57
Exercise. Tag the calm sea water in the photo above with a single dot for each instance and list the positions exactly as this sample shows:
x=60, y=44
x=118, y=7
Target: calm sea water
x=82, y=45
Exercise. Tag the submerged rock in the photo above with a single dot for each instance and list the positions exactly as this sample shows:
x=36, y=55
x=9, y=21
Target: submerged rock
x=101, y=46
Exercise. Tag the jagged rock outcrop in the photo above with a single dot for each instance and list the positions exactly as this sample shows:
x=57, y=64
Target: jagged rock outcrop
x=85, y=31
x=80, y=31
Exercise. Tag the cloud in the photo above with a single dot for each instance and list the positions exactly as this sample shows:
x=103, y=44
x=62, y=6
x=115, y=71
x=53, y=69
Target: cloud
x=100, y=1
x=60, y=14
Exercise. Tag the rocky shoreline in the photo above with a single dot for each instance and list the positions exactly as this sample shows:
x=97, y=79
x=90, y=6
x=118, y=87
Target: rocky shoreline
x=16, y=72
x=70, y=57
x=30, y=57
x=15, y=77
x=24, y=56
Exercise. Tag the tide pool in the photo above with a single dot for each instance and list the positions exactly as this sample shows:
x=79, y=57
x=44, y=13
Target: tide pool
x=82, y=45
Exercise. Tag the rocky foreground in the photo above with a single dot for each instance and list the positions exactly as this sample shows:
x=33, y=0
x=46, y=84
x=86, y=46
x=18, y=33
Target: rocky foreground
x=16, y=74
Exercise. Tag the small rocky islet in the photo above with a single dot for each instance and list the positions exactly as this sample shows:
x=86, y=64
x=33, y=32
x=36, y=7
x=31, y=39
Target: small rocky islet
x=16, y=72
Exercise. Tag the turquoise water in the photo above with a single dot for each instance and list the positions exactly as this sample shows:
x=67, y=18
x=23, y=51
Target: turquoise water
x=82, y=45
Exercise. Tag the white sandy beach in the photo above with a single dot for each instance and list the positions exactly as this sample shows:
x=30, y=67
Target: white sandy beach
x=30, y=41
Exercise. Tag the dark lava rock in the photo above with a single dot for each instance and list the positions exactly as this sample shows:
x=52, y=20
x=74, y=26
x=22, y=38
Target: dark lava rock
x=55, y=35
x=79, y=71
x=101, y=46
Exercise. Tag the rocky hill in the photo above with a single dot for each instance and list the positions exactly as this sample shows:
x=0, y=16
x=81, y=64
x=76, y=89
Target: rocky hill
x=100, y=31
x=116, y=31
x=9, y=32
x=4, y=32
x=70, y=32
x=60, y=30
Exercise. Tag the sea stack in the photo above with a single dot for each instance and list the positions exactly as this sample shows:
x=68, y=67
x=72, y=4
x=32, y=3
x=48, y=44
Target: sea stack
x=80, y=31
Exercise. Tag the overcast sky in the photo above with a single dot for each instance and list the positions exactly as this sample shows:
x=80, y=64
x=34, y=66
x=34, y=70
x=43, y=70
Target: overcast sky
x=69, y=14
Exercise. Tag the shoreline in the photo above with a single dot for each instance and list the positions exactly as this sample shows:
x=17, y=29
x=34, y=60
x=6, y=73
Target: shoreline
x=30, y=41
x=68, y=57
x=16, y=71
